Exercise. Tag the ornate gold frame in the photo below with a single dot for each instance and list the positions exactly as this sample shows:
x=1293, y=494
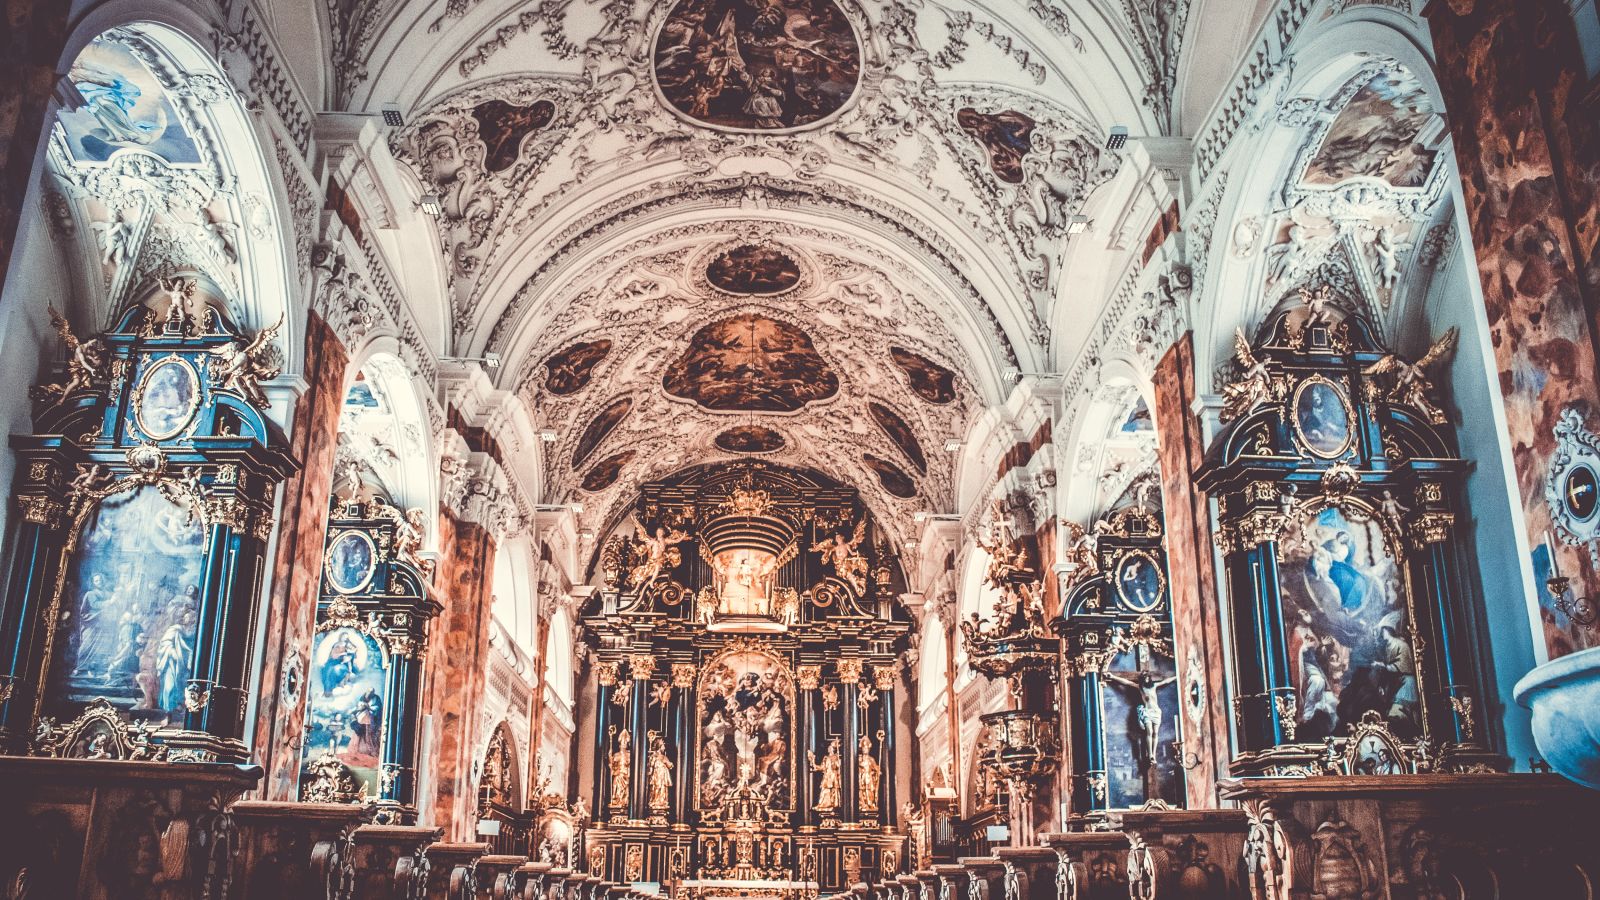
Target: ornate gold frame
x=737, y=647
x=1161, y=580
x=155, y=366
x=327, y=561
x=1344, y=406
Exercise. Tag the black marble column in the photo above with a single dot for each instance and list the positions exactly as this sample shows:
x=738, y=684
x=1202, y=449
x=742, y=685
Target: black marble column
x=602, y=742
x=683, y=731
x=850, y=690
x=883, y=677
x=639, y=722
x=404, y=691
x=809, y=679
x=22, y=634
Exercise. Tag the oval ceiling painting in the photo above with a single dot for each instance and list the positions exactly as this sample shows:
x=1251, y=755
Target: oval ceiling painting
x=931, y=381
x=753, y=269
x=750, y=439
x=890, y=476
x=899, y=432
x=603, y=424
x=606, y=471
x=751, y=362
x=569, y=371
x=760, y=66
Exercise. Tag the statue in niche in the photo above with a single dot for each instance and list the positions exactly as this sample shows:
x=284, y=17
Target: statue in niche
x=744, y=582
x=658, y=551
x=621, y=770
x=659, y=774
x=844, y=556
x=828, y=790
x=868, y=774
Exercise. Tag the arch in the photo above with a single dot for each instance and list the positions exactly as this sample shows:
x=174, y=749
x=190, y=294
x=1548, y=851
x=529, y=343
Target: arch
x=559, y=640
x=385, y=435
x=1098, y=434
x=514, y=603
x=933, y=681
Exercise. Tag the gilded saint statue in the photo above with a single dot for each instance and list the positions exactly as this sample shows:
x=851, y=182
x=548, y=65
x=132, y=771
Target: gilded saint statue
x=828, y=791
x=655, y=553
x=845, y=557
x=659, y=774
x=621, y=770
x=868, y=774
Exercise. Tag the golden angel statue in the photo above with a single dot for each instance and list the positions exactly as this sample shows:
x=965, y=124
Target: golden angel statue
x=86, y=362
x=658, y=551
x=828, y=790
x=844, y=556
x=1252, y=388
x=659, y=774
x=868, y=774
x=1408, y=382
x=243, y=368
x=621, y=770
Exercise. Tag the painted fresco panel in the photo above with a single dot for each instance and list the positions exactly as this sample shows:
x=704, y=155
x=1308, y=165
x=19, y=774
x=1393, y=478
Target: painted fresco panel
x=1376, y=135
x=751, y=362
x=130, y=604
x=124, y=107
x=345, y=712
x=1348, y=629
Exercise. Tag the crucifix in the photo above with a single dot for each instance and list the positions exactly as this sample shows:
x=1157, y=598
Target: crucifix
x=1147, y=712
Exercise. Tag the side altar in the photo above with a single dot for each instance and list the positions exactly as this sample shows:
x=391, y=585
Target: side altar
x=746, y=646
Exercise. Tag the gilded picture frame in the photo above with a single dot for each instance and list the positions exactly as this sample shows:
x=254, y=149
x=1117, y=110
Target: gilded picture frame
x=164, y=408
x=1311, y=422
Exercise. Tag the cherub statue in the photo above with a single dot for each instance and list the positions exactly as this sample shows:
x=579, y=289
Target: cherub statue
x=1409, y=382
x=86, y=362
x=181, y=293
x=243, y=368
x=1252, y=388
x=1319, y=305
x=842, y=555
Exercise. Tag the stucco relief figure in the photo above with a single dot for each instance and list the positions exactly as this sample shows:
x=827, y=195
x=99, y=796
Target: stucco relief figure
x=828, y=790
x=659, y=774
x=659, y=551
x=868, y=774
x=842, y=554
x=621, y=770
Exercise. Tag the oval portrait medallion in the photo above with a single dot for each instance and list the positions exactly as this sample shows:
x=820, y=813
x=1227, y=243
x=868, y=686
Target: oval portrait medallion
x=1322, y=418
x=352, y=558
x=167, y=398
x=757, y=66
x=1140, y=583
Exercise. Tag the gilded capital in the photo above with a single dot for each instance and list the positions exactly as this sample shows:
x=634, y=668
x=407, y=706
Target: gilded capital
x=849, y=670
x=809, y=678
x=683, y=675
x=641, y=666
x=607, y=672
x=883, y=677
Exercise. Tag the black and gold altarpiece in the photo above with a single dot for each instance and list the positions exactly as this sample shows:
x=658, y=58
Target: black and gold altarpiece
x=747, y=645
x=1337, y=486
x=145, y=499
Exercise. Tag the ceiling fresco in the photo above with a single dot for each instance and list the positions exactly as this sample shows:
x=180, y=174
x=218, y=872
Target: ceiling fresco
x=600, y=428
x=931, y=381
x=899, y=432
x=503, y=127
x=751, y=362
x=764, y=66
x=605, y=472
x=744, y=439
x=893, y=479
x=1005, y=135
x=570, y=371
x=753, y=269
x=1377, y=134
x=124, y=108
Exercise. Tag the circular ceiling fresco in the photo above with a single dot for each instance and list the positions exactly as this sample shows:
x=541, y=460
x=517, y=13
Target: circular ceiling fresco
x=753, y=269
x=750, y=439
x=751, y=362
x=757, y=66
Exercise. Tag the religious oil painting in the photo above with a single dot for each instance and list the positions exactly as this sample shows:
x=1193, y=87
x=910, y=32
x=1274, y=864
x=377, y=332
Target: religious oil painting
x=1348, y=630
x=928, y=380
x=760, y=65
x=1322, y=418
x=900, y=432
x=1139, y=708
x=352, y=559
x=503, y=127
x=131, y=605
x=746, y=707
x=751, y=363
x=167, y=398
x=753, y=269
x=750, y=439
x=744, y=582
x=892, y=477
x=570, y=371
x=1140, y=583
x=124, y=107
x=1007, y=136
x=344, y=712
x=1379, y=134
x=600, y=428
x=606, y=472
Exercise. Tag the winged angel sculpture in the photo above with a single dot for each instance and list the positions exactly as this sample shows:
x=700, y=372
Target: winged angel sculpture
x=242, y=365
x=1408, y=382
x=1252, y=388
x=86, y=363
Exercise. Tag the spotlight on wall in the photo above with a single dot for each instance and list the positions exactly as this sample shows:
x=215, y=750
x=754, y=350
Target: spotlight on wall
x=1118, y=138
x=919, y=517
x=1015, y=376
x=430, y=204
x=953, y=445
x=911, y=545
x=1078, y=225
x=577, y=508
x=392, y=116
x=586, y=536
x=548, y=435
x=492, y=360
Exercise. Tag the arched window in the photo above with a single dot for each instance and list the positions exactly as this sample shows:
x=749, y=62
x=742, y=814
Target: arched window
x=932, y=676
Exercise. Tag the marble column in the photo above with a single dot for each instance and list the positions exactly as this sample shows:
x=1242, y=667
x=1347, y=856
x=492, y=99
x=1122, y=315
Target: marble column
x=1528, y=147
x=455, y=669
x=1191, y=572
x=30, y=52
x=606, y=677
x=640, y=668
x=809, y=679
x=850, y=682
x=883, y=678
x=683, y=731
x=291, y=610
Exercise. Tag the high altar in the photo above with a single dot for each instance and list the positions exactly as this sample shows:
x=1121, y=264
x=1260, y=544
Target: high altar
x=747, y=644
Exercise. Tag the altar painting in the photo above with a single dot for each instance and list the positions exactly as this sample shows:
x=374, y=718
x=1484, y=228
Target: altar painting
x=1349, y=634
x=744, y=582
x=1139, y=706
x=746, y=704
x=130, y=605
x=345, y=709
